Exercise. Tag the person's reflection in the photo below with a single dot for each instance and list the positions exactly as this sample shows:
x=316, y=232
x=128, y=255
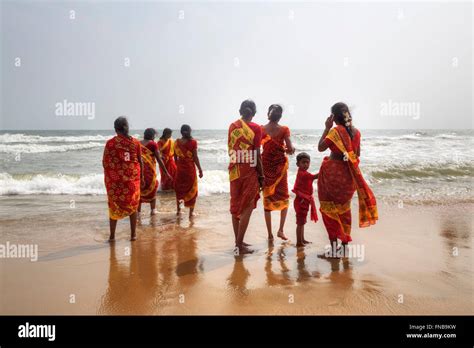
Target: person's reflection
x=133, y=279
x=273, y=278
x=239, y=276
x=303, y=273
x=188, y=263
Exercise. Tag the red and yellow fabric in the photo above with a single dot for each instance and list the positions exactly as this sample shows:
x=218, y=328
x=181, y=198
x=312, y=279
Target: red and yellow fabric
x=304, y=200
x=337, y=182
x=186, y=183
x=243, y=137
x=122, y=175
x=167, y=154
x=275, y=170
x=148, y=190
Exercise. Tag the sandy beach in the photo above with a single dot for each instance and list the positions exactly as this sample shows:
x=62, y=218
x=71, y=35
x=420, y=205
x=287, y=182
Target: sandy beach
x=417, y=260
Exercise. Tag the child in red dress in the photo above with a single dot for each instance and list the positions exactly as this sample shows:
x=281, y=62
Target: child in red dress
x=304, y=196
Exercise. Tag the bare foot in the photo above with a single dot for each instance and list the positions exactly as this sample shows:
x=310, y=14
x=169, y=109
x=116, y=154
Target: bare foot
x=111, y=239
x=154, y=212
x=246, y=244
x=270, y=237
x=281, y=235
x=306, y=241
x=300, y=244
x=133, y=238
x=242, y=250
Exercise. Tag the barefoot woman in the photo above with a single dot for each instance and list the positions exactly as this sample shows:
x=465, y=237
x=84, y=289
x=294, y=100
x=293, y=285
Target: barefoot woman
x=122, y=164
x=166, y=147
x=151, y=155
x=340, y=177
x=245, y=171
x=186, y=182
x=276, y=144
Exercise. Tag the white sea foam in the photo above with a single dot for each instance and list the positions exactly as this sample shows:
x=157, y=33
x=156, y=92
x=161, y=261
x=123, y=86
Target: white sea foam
x=41, y=148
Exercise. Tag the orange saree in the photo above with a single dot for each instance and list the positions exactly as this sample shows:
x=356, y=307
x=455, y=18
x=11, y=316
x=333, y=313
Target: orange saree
x=122, y=175
x=337, y=182
x=148, y=190
x=167, y=154
x=186, y=183
x=275, y=169
x=243, y=142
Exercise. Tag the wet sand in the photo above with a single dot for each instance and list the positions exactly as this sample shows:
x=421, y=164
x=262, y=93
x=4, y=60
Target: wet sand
x=182, y=267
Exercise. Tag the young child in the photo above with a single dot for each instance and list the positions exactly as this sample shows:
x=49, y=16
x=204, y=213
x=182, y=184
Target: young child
x=304, y=196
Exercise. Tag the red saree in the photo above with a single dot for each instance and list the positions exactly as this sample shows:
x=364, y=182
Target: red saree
x=148, y=191
x=186, y=183
x=275, y=169
x=167, y=154
x=337, y=182
x=243, y=138
x=122, y=175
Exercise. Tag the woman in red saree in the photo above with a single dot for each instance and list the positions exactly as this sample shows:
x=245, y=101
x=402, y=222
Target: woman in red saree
x=276, y=144
x=340, y=177
x=166, y=147
x=122, y=162
x=150, y=156
x=186, y=183
x=245, y=172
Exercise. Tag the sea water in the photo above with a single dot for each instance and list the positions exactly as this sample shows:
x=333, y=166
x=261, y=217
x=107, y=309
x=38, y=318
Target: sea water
x=402, y=166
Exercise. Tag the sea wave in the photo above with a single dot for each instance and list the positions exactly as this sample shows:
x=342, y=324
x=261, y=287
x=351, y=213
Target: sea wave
x=42, y=148
x=213, y=182
x=445, y=171
x=8, y=138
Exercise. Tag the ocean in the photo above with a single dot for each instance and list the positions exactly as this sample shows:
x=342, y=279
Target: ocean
x=402, y=166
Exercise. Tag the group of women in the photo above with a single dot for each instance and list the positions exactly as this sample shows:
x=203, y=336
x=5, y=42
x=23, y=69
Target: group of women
x=131, y=177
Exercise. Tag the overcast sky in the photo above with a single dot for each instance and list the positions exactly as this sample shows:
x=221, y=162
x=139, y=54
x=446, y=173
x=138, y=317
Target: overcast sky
x=398, y=65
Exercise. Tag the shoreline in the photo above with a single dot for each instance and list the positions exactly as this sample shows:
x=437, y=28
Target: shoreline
x=183, y=268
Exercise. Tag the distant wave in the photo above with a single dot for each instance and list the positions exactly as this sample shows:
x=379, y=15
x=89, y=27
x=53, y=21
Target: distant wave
x=28, y=139
x=41, y=148
x=213, y=182
x=424, y=171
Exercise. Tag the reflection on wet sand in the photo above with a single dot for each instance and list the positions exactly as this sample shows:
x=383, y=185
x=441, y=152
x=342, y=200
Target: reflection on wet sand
x=274, y=278
x=239, y=277
x=146, y=276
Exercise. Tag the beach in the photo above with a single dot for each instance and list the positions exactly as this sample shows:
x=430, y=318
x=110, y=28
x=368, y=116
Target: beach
x=416, y=260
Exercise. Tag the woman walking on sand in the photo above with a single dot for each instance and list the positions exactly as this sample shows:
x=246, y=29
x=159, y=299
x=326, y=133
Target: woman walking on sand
x=340, y=176
x=186, y=182
x=276, y=144
x=122, y=162
x=245, y=171
x=166, y=147
x=150, y=156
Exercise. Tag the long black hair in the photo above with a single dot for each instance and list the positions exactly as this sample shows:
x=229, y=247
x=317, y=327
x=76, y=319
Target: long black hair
x=343, y=117
x=121, y=125
x=166, y=133
x=186, y=131
x=248, y=109
x=275, y=112
x=149, y=134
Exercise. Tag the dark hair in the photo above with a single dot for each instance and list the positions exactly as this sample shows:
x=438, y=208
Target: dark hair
x=343, y=117
x=121, y=125
x=149, y=134
x=275, y=112
x=166, y=133
x=186, y=131
x=301, y=156
x=248, y=108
